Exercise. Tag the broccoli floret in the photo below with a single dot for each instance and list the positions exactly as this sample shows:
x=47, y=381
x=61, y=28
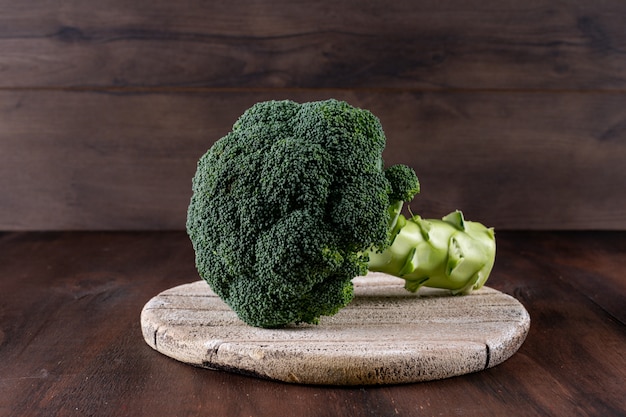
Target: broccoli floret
x=286, y=206
x=403, y=181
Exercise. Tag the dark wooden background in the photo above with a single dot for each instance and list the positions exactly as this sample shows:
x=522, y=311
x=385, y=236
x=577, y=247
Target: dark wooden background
x=513, y=111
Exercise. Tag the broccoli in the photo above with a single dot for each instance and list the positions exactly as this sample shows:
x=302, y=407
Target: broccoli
x=295, y=201
x=450, y=253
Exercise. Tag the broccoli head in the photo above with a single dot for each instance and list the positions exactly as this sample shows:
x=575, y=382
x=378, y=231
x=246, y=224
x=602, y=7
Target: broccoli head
x=286, y=206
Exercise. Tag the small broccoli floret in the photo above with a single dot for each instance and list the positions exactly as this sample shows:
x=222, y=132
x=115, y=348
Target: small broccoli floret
x=404, y=183
x=286, y=206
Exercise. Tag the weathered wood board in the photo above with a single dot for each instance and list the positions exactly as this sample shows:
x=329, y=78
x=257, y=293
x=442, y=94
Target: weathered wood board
x=385, y=336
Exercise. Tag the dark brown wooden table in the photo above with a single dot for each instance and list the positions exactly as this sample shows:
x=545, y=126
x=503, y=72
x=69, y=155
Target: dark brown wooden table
x=71, y=345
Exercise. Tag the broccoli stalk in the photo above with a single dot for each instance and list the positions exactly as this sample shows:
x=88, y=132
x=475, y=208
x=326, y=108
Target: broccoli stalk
x=451, y=253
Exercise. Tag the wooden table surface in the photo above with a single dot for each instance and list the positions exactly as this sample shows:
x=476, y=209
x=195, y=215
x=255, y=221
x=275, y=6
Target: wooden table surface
x=71, y=344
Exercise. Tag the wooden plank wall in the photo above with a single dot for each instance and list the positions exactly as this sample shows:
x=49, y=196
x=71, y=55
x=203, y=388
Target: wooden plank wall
x=513, y=111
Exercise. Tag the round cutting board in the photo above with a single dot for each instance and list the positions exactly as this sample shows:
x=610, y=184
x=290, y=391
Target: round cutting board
x=386, y=335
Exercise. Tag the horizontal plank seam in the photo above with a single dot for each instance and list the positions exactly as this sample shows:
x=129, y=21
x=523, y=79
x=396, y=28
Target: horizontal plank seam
x=585, y=295
x=238, y=90
x=606, y=311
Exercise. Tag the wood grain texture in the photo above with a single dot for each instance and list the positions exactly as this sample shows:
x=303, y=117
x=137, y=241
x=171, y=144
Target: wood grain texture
x=110, y=161
x=386, y=335
x=513, y=112
x=71, y=342
x=403, y=44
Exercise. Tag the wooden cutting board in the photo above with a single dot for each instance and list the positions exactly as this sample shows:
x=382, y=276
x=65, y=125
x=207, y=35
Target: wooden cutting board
x=387, y=335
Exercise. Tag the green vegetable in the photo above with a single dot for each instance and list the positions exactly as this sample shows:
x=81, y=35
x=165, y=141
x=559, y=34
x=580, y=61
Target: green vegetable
x=293, y=203
x=451, y=253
